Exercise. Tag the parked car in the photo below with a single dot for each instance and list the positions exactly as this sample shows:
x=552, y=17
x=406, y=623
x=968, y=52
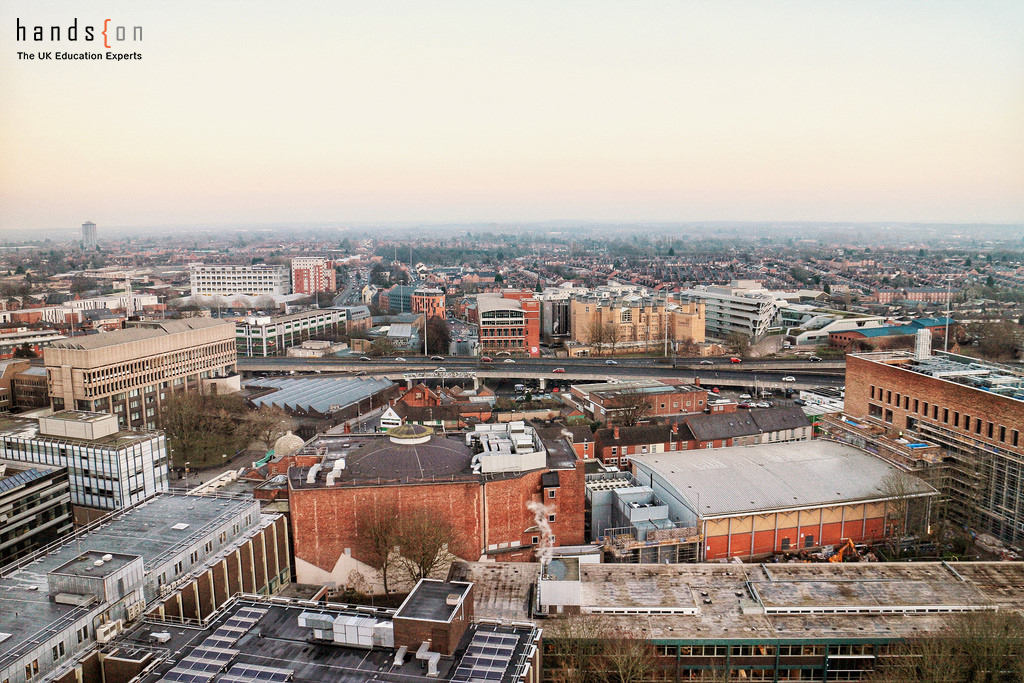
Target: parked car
x=789, y=378
x=611, y=362
x=558, y=370
x=814, y=359
x=745, y=405
x=509, y=360
x=745, y=396
x=734, y=359
x=763, y=404
x=486, y=359
x=714, y=390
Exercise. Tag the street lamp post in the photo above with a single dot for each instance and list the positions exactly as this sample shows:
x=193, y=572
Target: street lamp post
x=187, y=463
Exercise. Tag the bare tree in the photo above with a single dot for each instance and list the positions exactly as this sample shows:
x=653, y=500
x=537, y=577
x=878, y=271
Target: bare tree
x=906, y=513
x=424, y=545
x=378, y=536
x=628, y=408
x=974, y=647
x=738, y=343
x=584, y=647
x=405, y=546
x=612, y=335
x=267, y=423
x=595, y=336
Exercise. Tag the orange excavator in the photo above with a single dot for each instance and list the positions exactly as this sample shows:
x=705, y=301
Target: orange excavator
x=840, y=555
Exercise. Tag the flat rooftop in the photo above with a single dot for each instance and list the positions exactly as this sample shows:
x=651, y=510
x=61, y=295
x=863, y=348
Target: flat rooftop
x=434, y=600
x=259, y=633
x=995, y=378
x=773, y=476
x=151, y=529
x=139, y=333
x=86, y=564
x=27, y=428
x=808, y=602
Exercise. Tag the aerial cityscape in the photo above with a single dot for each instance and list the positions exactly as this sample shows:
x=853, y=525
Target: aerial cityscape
x=523, y=343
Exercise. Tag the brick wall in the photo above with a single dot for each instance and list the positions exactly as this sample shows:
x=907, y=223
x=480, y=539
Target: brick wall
x=907, y=394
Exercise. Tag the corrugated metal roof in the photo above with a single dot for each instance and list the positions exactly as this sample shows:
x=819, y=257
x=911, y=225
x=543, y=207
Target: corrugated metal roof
x=317, y=393
x=771, y=476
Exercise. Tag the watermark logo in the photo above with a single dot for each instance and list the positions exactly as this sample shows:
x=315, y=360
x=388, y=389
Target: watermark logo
x=111, y=35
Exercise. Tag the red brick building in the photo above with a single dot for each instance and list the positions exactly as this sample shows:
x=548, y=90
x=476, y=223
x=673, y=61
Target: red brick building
x=509, y=322
x=429, y=301
x=664, y=397
x=973, y=410
x=483, y=490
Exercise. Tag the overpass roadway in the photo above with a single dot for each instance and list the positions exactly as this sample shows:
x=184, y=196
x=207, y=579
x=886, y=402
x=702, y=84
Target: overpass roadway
x=541, y=370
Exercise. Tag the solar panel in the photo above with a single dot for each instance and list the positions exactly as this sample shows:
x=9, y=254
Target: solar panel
x=487, y=657
x=253, y=673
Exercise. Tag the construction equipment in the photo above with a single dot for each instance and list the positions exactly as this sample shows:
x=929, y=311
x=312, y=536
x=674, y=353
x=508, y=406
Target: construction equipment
x=840, y=555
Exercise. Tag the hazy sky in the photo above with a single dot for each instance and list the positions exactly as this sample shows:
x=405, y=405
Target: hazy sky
x=273, y=111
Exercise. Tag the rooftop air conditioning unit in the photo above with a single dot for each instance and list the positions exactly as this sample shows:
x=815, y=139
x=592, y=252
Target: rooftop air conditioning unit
x=107, y=632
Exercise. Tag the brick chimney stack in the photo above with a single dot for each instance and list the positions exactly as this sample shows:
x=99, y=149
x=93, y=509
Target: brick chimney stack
x=675, y=427
x=616, y=432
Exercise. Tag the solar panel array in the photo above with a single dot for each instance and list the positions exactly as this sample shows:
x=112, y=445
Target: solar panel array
x=487, y=657
x=215, y=653
x=252, y=673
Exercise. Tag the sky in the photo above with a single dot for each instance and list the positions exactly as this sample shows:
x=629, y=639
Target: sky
x=264, y=111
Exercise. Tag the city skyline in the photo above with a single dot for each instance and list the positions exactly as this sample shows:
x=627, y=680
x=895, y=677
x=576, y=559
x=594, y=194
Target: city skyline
x=669, y=112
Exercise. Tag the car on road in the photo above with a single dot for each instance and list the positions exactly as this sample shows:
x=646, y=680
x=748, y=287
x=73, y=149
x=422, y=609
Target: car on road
x=799, y=402
x=361, y=373
x=558, y=370
x=486, y=359
x=364, y=358
x=509, y=360
x=437, y=358
x=745, y=396
x=815, y=359
x=611, y=362
x=745, y=405
x=714, y=390
x=399, y=359
x=734, y=359
x=707, y=362
x=440, y=369
x=789, y=378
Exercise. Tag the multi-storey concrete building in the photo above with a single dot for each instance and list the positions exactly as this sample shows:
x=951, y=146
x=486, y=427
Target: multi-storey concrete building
x=130, y=372
x=255, y=280
x=312, y=274
x=35, y=507
x=88, y=235
x=176, y=557
x=742, y=306
x=272, y=336
x=972, y=409
x=108, y=468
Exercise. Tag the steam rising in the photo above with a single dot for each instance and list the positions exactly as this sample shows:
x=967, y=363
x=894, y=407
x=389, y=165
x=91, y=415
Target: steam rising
x=540, y=516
